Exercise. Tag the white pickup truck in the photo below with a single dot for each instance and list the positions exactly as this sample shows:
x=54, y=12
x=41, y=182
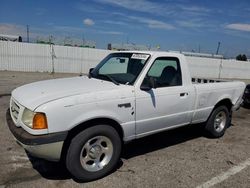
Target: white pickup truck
x=85, y=120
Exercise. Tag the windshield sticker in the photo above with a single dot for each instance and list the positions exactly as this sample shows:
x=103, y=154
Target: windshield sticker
x=140, y=56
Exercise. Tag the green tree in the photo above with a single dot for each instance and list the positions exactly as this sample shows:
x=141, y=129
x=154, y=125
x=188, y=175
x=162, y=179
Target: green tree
x=244, y=57
x=241, y=57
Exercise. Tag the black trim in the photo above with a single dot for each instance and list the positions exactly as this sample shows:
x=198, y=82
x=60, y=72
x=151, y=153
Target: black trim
x=28, y=139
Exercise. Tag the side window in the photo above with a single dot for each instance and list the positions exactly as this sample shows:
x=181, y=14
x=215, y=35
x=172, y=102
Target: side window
x=115, y=65
x=166, y=72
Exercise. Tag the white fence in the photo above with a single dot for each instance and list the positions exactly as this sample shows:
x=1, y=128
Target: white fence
x=39, y=57
x=218, y=68
x=30, y=57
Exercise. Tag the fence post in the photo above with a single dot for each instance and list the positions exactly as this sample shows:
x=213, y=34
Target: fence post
x=53, y=56
x=220, y=68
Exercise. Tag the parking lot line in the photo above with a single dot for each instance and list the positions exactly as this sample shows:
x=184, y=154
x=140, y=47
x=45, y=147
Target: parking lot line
x=225, y=175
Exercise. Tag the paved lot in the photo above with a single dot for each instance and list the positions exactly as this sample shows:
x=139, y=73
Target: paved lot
x=180, y=158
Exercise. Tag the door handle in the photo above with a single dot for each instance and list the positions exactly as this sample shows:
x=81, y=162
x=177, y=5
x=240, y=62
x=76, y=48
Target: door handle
x=183, y=94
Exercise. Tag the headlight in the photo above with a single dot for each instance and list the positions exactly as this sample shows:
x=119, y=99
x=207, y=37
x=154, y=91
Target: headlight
x=27, y=117
x=34, y=120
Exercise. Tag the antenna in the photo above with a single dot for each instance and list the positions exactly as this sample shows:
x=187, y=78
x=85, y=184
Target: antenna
x=217, y=51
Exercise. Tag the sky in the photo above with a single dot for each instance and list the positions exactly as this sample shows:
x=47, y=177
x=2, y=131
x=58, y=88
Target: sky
x=183, y=25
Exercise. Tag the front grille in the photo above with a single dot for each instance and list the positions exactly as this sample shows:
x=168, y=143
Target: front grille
x=14, y=110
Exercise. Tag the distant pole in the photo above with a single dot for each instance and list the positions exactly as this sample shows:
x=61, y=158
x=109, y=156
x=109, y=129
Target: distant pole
x=83, y=40
x=217, y=51
x=50, y=39
x=28, y=37
x=199, y=49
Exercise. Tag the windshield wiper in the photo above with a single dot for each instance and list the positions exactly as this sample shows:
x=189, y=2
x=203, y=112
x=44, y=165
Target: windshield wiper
x=110, y=78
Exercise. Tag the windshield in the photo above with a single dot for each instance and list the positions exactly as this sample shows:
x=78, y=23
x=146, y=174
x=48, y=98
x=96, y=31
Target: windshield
x=120, y=68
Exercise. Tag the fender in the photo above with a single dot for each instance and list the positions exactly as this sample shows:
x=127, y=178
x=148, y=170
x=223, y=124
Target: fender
x=128, y=128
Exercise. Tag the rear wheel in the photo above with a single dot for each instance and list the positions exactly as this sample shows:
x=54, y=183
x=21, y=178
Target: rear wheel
x=218, y=122
x=93, y=153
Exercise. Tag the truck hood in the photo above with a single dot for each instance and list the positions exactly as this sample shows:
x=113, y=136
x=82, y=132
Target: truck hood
x=37, y=93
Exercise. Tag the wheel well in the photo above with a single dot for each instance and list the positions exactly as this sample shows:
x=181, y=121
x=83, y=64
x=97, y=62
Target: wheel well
x=225, y=102
x=82, y=126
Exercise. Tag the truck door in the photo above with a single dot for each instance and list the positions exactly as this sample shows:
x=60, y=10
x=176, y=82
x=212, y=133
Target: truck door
x=169, y=103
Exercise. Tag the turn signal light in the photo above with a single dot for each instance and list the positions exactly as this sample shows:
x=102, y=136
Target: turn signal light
x=40, y=121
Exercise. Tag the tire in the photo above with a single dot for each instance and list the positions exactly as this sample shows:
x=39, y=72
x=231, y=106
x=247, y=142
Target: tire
x=218, y=122
x=93, y=153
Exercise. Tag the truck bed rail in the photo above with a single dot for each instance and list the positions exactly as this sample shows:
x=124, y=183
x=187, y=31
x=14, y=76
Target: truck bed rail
x=206, y=80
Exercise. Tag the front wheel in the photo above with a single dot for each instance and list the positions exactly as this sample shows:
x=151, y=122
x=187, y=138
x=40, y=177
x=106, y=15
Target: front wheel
x=218, y=122
x=93, y=153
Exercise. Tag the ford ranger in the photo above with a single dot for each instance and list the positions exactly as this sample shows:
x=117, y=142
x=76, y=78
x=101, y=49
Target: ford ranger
x=85, y=120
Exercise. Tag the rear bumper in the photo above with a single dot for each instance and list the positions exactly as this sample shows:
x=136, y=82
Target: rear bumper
x=237, y=104
x=43, y=146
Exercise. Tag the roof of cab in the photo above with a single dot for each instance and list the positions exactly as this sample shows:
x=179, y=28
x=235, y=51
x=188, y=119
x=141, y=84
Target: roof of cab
x=162, y=53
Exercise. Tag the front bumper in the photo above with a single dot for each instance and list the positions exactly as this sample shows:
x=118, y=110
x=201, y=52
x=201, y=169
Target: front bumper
x=43, y=146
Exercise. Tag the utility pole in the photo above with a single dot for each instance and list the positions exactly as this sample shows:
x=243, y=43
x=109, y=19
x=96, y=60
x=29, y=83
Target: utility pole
x=217, y=51
x=50, y=39
x=28, y=37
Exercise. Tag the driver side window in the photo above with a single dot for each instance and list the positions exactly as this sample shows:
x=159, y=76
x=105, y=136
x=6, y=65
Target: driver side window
x=166, y=72
x=115, y=65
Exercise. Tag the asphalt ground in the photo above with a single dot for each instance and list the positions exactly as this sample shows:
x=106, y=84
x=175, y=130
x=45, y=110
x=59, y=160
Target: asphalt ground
x=183, y=157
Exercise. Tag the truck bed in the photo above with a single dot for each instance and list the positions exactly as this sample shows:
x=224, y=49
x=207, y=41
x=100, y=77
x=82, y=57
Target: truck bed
x=210, y=91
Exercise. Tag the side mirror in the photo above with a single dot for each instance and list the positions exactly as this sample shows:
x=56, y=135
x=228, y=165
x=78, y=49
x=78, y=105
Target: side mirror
x=148, y=84
x=145, y=88
x=90, y=70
